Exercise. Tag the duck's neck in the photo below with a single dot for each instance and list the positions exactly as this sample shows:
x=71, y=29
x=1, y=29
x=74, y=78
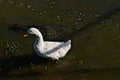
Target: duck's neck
x=39, y=40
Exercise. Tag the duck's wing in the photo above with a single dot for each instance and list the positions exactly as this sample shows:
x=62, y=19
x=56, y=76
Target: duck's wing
x=54, y=46
x=56, y=50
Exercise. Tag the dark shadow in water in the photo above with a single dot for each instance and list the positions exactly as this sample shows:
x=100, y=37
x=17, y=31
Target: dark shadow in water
x=102, y=71
x=28, y=74
x=11, y=63
x=18, y=28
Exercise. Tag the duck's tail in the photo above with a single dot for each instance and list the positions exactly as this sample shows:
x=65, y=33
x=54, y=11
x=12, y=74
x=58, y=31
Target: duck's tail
x=68, y=43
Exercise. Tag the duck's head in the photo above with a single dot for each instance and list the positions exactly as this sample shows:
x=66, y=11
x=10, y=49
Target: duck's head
x=32, y=31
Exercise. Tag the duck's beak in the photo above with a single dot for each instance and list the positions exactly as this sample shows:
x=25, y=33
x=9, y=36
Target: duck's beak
x=25, y=35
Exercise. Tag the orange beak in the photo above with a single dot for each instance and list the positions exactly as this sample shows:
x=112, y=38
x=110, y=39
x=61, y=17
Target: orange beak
x=25, y=35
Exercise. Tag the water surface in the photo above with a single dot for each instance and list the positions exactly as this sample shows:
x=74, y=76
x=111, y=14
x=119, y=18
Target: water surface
x=92, y=25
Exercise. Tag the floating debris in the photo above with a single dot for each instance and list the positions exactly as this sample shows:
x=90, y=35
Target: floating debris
x=76, y=23
x=80, y=13
x=77, y=27
x=90, y=15
x=9, y=48
x=20, y=67
x=12, y=2
x=28, y=6
x=111, y=20
x=69, y=13
x=58, y=17
x=44, y=11
x=117, y=38
x=60, y=12
x=51, y=6
x=21, y=4
x=53, y=2
x=40, y=13
x=79, y=19
x=16, y=5
x=49, y=34
x=117, y=25
x=33, y=9
x=96, y=15
x=37, y=11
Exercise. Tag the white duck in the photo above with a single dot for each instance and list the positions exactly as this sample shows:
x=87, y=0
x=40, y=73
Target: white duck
x=54, y=50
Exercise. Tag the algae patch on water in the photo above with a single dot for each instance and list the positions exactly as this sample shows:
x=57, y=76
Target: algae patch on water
x=8, y=47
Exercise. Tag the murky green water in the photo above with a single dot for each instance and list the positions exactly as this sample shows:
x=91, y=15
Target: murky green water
x=92, y=25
